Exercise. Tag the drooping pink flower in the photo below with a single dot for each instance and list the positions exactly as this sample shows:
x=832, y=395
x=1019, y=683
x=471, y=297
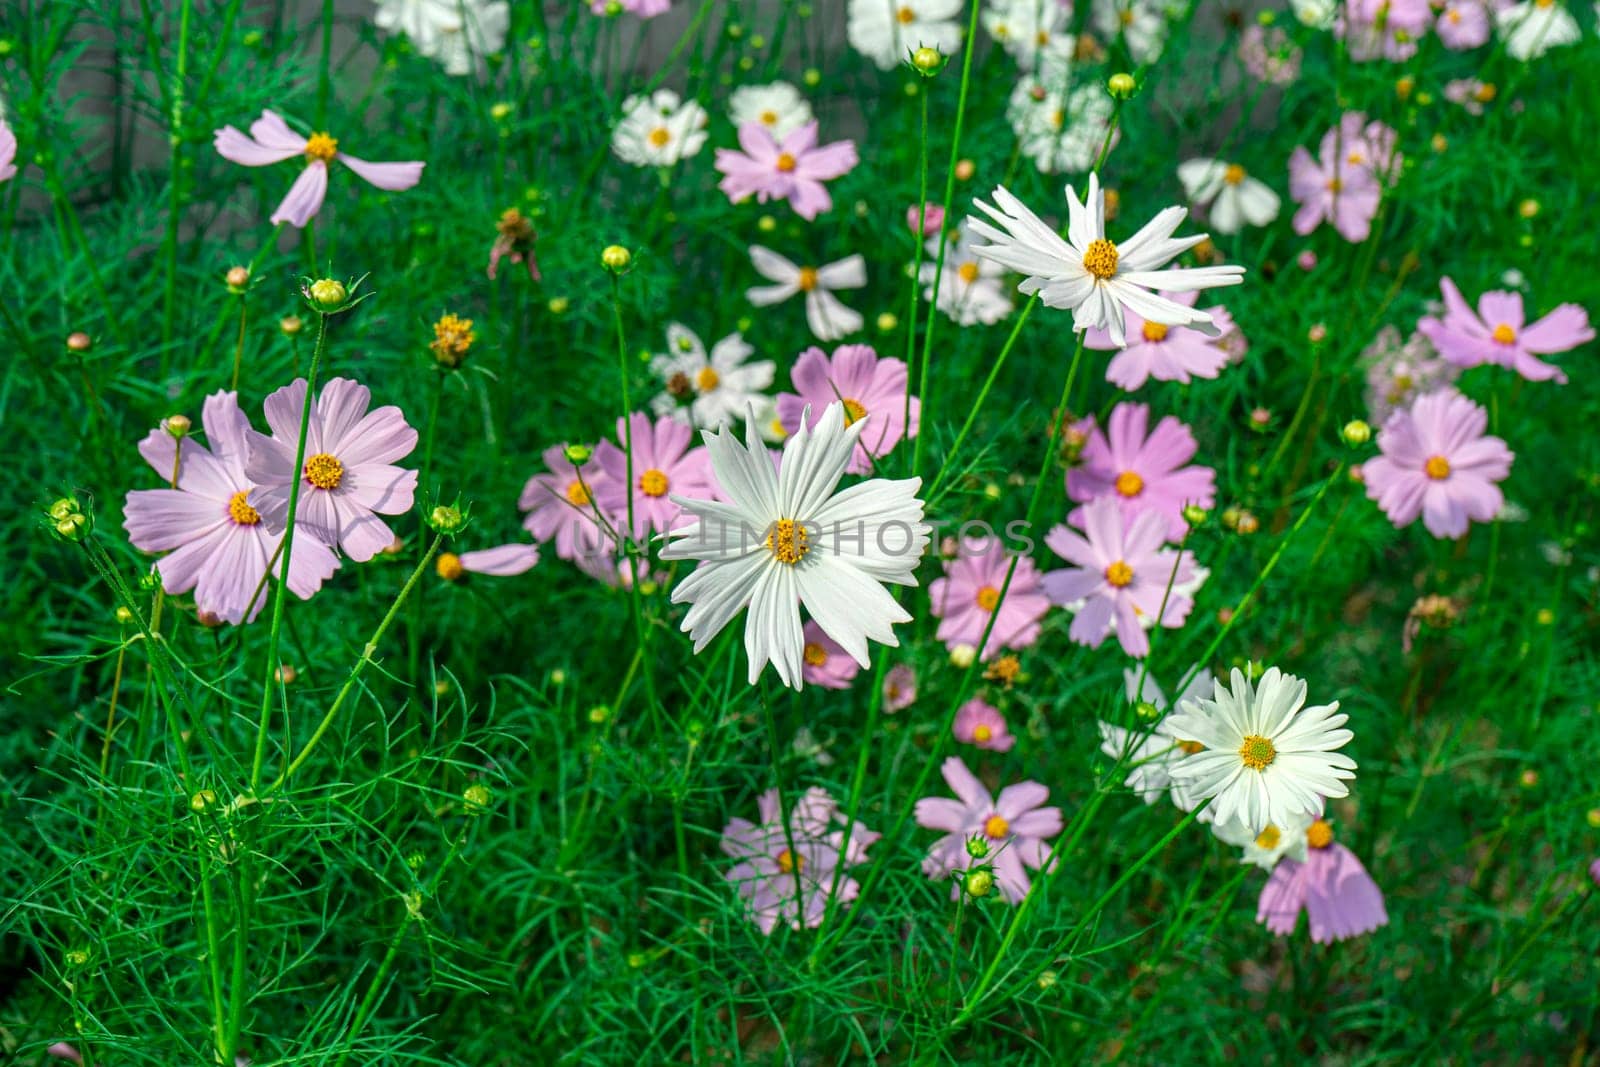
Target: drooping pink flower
x=965, y=599
x=348, y=478
x=1331, y=886
x=272, y=141
x=1165, y=353
x=645, y=9
x=1142, y=473
x=663, y=466
x=514, y=238
x=868, y=387
x=561, y=506
x=1119, y=572
x=1496, y=334
x=792, y=169
x=1013, y=825
x=1438, y=462
x=1463, y=24
x=981, y=724
x=218, y=544
x=899, y=688
x=502, y=561
x=824, y=662
x=926, y=220
x=8, y=152
x=788, y=874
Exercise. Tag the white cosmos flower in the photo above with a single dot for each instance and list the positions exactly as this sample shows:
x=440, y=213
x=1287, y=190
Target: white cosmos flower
x=1024, y=28
x=1533, y=27
x=659, y=130
x=1271, y=844
x=970, y=289
x=708, y=391
x=779, y=107
x=1318, y=14
x=1060, y=131
x=1234, y=196
x=1267, y=758
x=1090, y=275
x=888, y=31
x=828, y=318
x=1142, y=23
x=453, y=33
x=789, y=537
x=1152, y=755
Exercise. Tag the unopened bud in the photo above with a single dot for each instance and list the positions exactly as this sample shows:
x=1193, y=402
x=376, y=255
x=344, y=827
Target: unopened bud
x=202, y=800
x=177, y=425
x=977, y=846
x=291, y=325
x=237, y=278
x=979, y=883
x=124, y=616
x=578, y=455
x=1317, y=334
x=1121, y=85
x=615, y=258
x=1247, y=523
x=1528, y=208
x=1146, y=711
x=599, y=714
x=475, y=799
x=965, y=169
x=328, y=293
x=79, y=342
x=286, y=674
x=961, y=656
x=927, y=60
x=447, y=519
x=1195, y=515
x=1356, y=432
x=77, y=957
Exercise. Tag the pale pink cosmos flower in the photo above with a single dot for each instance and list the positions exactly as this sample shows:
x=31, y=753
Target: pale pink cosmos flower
x=1165, y=353
x=645, y=9
x=1269, y=55
x=965, y=599
x=348, y=478
x=1463, y=24
x=824, y=662
x=1014, y=825
x=1497, y=334
x=826, y=314
x=865, y=385
x=502, y=561
x=272, y=141
x=926, y=220
x=1470, y=93
x=981, y=724
x=561, y=507
x=1335, y=891
x=1142, y=473
x=218, y=544
x=792, y=169
x=899, y=688
x=788, y=875
x=1328, y=189
x=1398, y=372
x=1366, y=41
x=8, y=152
x=1437, y=462
x=663, y=465
x=1119, y=572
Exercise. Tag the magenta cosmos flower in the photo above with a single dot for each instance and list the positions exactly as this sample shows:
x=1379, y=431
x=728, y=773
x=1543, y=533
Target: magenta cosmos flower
x=1439, y=463
x=272, y=141
x=1119, y=572
x=1014, y=825
x=1335, y=891
x=792, y=169
x=663, y=465
x=1165, y=353
x=1142, y=473
x=218, y=545
x=789, y=875
x=981, y=724
x=348, y=478
x=824, y=661
x=966, y=597
x=866, y=385
x=1496, y=334
x=561, y=507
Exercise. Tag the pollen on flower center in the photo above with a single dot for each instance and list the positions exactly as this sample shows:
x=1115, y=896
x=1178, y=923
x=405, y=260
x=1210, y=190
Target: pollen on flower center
x=853, y=410
x=807, y=280
x=981, y=732
x=1257, y=752
x=577, y=493
x=240, y=511
x=995, y=827
x=1155, y=331
x=988, y=598
x=1119, y=574
x=659, y=137
x=653, y=482
x=1234, y=174
x=321, y=146
x=1334, y=185
x=968, y=272
x=785, y=162
x=769, y=118
x=1437, y=468
x=706, y=379
x=1504, y=334
x=1191, y=747
x=1100, y=258
x=1319, y=834
x=324, y=471
x=788, y=862
x=1268, y=839
x=788, y=541
x=1129, y=484
x=906, y=16
x=815, y=654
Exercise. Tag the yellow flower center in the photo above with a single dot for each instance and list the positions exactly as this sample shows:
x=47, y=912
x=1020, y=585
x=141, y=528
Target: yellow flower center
x=769, y=118
x=659, y=137
x=1234, y=174
x=1129, y=484
x=788, y=541
x=1126, y=17
x=449, y=566
x=1257, y=752
x=853, y=411
x=1268, y=839
x=981, y=733
x=1119, y=574
x=1057, y=117
x=1333, y=185
x=1319, y=834
x=321, y=146
x=807, y=280
x=240, y=511
x=324, y=471
x=995, y=827
x=1042, y=37
x=577, y=493
x=1484, y=92
x=967, y=272
x=653, y=482
x=1437, y=468
x=1543, y=3
x=785, y=162
x=988, y=598
x=706, y=379
x=815, y=654
x=1155, y=331
x=1100, y=259
x=788, y=862
x=1504, y=334
x=1191, y=747
x=906, y=16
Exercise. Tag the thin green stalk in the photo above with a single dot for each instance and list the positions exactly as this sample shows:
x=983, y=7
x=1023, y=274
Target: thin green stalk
x=414, y=638
x=169, y=299
x=916, y=260
x=632, y=551
x=983, y=395
x=325, y=67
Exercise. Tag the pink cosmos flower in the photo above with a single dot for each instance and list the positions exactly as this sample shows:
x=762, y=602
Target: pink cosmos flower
x=8, y=152
x=965, y=598
x=502, y=561
x=348, y=478
x=1496, y=334
x=560, y=506
x=645, y=9
x=1013, y=825
x=1594, y=872
x=865, y=384
x=1120, y=572
x=1398, y=372
x=824, y=661
x=1335, y=891
x=663, y=466
x=1329, y=190
x=981, y=724
x=788, y=875
x=792, y=169
x=1437, y=462
x=272, y=141
x=218, y=544
x=1269, y=55
x=899, y=688
x=926, y=220
x=1142, y=473
x=1463, y=24
x=1165, y=353
x=1366, y=40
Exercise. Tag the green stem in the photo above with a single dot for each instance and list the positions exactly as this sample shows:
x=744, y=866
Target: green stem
x=983, y=394
x=175, y=207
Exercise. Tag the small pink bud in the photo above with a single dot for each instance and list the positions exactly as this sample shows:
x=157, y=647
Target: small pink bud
x=930, y=216
x=1317, y=334
x=1307, y=260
